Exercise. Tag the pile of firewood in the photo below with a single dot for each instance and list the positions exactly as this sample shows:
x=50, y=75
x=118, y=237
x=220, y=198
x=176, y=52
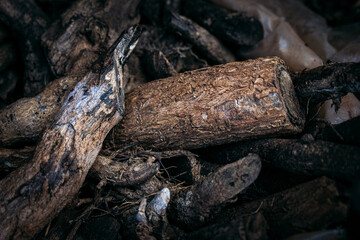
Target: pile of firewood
x=148, y=120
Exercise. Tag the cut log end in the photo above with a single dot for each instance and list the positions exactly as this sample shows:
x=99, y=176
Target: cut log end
x=289, y=97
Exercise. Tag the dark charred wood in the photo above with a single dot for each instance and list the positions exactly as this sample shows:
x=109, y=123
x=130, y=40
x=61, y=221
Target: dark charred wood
x=301, y=156
x=235, y=29
x=29, y=22
x=7, y=55
x=205, y=42
x=250, y=227
x=152, y=11
x=3, y=32
x=203, y=107
x=134, y=72
x=33, y=194
x=11, y=159
x=312, y=206
x=178, y=52
x=105, y=227
x=347, y=132
x=336, y=234
x=8, y=82
x=192, y=208
x=84, y=33
x=157, y=65
x=330, y=81
x=354, y=213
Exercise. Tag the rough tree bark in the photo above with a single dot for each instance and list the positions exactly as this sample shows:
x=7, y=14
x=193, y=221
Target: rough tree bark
x=26, y=118
x=329, y=81
x=32, y=195
x=213, y=105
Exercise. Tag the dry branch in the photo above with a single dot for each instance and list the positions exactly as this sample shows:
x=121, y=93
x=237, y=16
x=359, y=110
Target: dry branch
x=233, y=28
x=84, y=31
x=300, y=156
x=32, y=195
x=329, y=81
x=252, y=227
x=26, y=118
x=213, y=105
x=192, y=208
x=308, y=207
x=207, y=44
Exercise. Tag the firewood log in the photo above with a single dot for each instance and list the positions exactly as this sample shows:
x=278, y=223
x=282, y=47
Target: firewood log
x=32, y=195
x=211, y=106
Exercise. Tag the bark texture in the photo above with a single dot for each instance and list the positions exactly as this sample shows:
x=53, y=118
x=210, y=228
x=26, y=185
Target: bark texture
x=26, y=118
x=194, y=207
x=32, y=195
x=213, y=105
x=85, y=30
x=329, y=81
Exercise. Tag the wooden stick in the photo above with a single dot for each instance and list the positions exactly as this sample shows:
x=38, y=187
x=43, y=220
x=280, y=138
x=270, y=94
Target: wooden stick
x=233, y=28
x=25, y=119
x=329, y=81
x=307, y=207
x=300, y=156
x=206, y=43
x=32, y=195
x=192, y=208
x=213, y=105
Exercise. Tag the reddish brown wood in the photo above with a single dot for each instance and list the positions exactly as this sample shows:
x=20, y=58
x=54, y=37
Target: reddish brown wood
x=213, y=105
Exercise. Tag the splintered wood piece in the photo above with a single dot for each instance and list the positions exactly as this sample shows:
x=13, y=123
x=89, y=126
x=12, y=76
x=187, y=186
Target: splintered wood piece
x=213, y=105
x=32, y=195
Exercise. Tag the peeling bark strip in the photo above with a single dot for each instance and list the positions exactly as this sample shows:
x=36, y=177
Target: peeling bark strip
x=32, y=195
x=213, y=105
